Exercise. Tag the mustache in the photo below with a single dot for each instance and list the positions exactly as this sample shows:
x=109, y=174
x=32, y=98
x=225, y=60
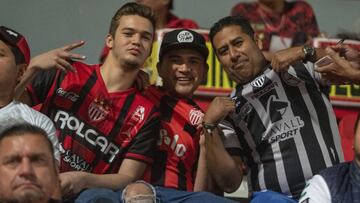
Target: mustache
x=33, y=182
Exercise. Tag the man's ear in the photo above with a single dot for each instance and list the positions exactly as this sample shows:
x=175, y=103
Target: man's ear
x=258, y=41
x=109, y=41
x=21, y=70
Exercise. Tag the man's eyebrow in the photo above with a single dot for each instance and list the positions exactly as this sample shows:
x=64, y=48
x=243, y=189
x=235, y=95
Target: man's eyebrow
x=143, y=32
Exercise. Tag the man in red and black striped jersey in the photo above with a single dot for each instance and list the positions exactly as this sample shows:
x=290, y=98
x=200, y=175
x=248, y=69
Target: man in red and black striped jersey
x=182, y=67
x=107, y=130
x=278, y=119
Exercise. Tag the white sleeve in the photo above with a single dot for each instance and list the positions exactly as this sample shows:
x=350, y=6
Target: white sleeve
x=45, y=123
x=316, y=191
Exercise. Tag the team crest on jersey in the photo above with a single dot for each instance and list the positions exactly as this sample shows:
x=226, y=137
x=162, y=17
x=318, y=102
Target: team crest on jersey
x=258, y=82
x=98, y=110
x=290, y=79
x=245, y=110
x=195, y=116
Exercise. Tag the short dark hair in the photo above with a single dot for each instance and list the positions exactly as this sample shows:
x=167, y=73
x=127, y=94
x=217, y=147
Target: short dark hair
x=131, y=8
x=25, y=128
x=231, y=20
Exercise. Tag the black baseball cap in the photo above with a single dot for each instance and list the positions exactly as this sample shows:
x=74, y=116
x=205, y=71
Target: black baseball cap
x=183, y=38
x=18, y=42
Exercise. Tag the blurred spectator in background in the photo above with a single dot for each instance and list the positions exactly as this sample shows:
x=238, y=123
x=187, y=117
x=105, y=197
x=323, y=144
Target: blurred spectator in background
x=164, y=19
x=279, y=24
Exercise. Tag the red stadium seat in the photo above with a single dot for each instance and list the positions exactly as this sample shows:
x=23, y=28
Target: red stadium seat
x=347, y=132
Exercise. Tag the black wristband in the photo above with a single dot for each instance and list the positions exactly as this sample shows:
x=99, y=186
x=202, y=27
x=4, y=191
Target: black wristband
x=209, y=127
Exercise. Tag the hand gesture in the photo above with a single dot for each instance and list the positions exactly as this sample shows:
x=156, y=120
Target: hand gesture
x=57, y=58
x=219, y=108
x=340, y=69
x=282, y=59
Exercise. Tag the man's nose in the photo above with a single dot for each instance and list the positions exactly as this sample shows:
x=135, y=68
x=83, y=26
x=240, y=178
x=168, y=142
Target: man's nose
x=184, y=67
x=234, y=54
x=26, y=168
x=136, y=39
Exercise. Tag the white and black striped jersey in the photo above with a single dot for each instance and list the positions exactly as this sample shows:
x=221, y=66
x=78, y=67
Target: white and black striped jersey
x=284, y=128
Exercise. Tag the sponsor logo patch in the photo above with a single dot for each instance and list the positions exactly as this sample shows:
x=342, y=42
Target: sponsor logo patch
x=67, y=95
x=185, y=36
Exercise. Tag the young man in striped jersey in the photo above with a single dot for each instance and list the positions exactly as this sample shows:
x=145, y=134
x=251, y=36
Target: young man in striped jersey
x=281, y=124
x=107, y=129
x=182, y=67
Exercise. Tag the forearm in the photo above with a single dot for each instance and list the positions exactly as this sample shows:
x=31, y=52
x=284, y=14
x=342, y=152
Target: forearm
x=20, y=91
x=223, y=168
x=110, y=181
x=201, y=180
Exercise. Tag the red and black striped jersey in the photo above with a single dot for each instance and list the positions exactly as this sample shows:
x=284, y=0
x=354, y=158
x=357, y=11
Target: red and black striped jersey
x=178, y=145
x=96, y=129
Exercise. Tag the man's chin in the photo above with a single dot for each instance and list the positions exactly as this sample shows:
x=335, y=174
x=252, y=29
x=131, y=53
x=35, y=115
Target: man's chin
x=30, y=195
x=184, y=92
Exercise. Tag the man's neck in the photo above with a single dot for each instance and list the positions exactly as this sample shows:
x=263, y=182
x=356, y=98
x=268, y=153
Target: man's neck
x=117, y=77
x=276, y=6
x=5, y=98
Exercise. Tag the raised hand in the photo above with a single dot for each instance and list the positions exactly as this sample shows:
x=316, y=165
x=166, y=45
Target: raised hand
x=57, y=58
x=338, y=69
x=219, y=108
x=282, y=59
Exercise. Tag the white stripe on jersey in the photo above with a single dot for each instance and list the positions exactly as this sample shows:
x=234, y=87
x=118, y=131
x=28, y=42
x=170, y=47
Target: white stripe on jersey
x=255, y=154
x=305, y=163
x=315, y=124
x=334, y=130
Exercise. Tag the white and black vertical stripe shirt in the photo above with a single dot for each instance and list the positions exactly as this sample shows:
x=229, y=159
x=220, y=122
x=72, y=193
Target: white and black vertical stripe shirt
x=285, y=129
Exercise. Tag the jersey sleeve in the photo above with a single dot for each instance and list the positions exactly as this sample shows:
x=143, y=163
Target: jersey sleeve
x=316, y=191
x=41, y=85
x=142, y=147
x=229, y=137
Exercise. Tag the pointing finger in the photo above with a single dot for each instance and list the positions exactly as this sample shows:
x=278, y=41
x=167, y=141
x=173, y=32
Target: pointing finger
x=73, y=45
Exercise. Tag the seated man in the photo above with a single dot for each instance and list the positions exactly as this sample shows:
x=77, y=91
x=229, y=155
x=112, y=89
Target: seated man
x=28, y=169
x=107, y=128
x=278, y=120
x=15, y=56
x=182, y=67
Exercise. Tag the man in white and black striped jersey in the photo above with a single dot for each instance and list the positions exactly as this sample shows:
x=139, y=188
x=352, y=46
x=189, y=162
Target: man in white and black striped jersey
x=278, y=120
